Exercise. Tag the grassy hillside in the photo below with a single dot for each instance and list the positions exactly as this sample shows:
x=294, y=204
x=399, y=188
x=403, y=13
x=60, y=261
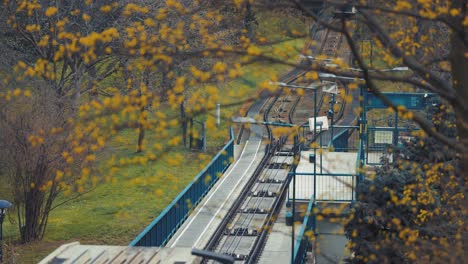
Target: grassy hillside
x=115, y=212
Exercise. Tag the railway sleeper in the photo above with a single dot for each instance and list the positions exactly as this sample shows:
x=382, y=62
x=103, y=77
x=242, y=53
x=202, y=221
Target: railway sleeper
x=240, y=257
x=263, y=194
x=280, y=110
x=277, y=165
x=241, y=231
x=284, y=153
x=270, y=180
x=287, y=148
x=254, y=211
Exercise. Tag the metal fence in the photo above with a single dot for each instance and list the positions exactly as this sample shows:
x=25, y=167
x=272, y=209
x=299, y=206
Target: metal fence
x=304, y=239
x=380, y=140
x=360, y=162
x=377, y=143
x=345, y=139
x=337, y=187
x=325, y=187
x=158, y=232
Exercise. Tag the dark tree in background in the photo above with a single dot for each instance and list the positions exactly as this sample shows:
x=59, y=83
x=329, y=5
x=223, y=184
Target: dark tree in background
x=412, y=209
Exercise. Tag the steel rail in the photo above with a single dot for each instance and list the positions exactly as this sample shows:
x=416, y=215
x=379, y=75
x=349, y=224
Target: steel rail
x=234, y=215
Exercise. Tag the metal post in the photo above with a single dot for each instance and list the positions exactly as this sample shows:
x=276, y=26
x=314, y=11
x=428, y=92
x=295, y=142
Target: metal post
x=296, y=149
x=321, y=164
x=332, y=118
x=362, y=131
x=395, y=133
x=293, y=216
x=190, y=133
x=218, y=115
x=315, y=113
x=315, y=148
x=204, y=136
x=353, y=189
x=183, y=117
x=363, y=125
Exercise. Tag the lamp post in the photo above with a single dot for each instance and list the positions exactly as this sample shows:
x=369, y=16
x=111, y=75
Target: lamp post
x=302, y=56
x=317, y=124
x=4, y=204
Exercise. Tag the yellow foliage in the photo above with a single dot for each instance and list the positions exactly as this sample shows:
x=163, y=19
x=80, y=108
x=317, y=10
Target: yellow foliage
x=219, y=67
x=312, y=76
x=134, y=8
x=105, y=8
x=253, y=51
x=86, y=17
x=51, y=11
x=59, y=175
x=33, y=28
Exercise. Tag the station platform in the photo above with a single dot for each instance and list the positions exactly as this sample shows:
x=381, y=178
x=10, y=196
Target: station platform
x=278, y=245
x=335, y=178
x=98, y=254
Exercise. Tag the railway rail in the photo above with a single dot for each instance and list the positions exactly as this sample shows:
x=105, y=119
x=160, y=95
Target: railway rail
x=244, y=230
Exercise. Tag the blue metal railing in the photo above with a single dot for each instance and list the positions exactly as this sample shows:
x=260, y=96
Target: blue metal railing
x=343, y=185
x=304, y=239
x=378, y=141
x=158, y=232
x=360, y=163
x=345, y=140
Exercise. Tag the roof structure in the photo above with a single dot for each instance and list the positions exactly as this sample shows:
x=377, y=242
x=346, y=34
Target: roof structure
x=94, y=254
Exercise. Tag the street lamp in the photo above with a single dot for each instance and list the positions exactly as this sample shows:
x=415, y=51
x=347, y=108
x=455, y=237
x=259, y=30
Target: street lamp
x=396, y=69
x=4, y=204
x=334, y=76
x=302, y=56
x=401, y=68
x=313, y=86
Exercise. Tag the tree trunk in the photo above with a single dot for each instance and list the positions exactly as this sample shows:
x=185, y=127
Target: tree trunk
x=459, y=64
x=141, y=138
x=93, y=93
x=249, y=19
x=143, y=107
x=32, y=228
x=35, y=214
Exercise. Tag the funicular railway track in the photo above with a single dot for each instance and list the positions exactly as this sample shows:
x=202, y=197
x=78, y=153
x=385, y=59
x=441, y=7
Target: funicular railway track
x=244, y=230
